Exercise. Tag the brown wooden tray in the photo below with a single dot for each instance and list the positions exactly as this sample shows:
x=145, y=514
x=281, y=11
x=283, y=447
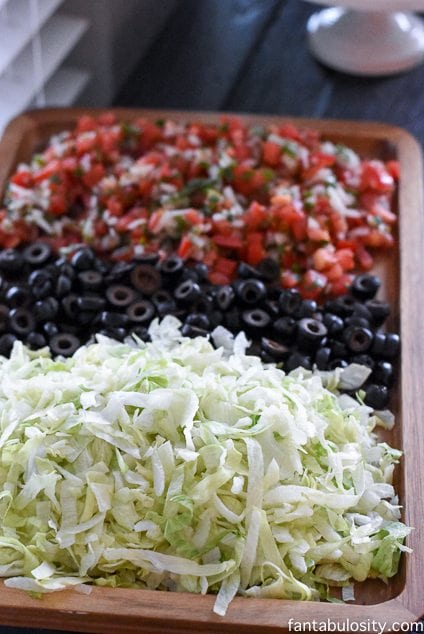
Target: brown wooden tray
x=402, y=599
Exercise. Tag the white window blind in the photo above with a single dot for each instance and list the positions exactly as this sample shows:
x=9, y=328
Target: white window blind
x=36, y=38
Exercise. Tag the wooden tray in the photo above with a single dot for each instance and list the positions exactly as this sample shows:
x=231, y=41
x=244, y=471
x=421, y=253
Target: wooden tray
x=402, y=599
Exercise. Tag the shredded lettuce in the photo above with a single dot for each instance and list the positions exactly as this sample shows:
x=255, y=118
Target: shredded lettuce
x=175, y=465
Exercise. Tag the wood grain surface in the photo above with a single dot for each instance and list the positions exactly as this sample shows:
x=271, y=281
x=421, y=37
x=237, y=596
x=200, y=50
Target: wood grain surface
x=402, y=599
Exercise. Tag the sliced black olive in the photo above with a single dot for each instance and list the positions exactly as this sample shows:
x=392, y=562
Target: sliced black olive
x=224, y=297
x=63, y=267
x=70, y=306
x=391, y=346
x=361, y=310
x=86, y=317
x=63, y=285
x=21, y=321
x=268, y=269
x=379, y=311
x=365, y=286
x=141, y=311
x=50, y=329
x=198, y=319
x=383, y=373
x=102, y=267
x=251, y=291
x=4, y=317
x=275, y=350
x=6, y=343
x=358, y=339
x=188, y=330
x=37, y=254
x=378, y=344
x=83, y=259
x=285, y=328
x=203, y=305
x=337, y=363
x=342, y=306
x=141, y=332
x=46, y=309
x=338, y=350
x=17, y=296
x=118, y=333
x=11, y=261
x=36, y=340
x=307, y=308
x=202, y=271
x=376, y=396
x=187, y=292
x=255, y=319
x=120, y=296
x=147, y=258
x=290, y=301
x=297, y=360
x=322, y=358
x=41, y=283
x=43, y=290
x=113, y=320
x=334, y=324
x=189, y=274
x=93, y=303
x=216, y=318
x=245, y=271
x=164, y=302
x=64, y=344
x=90, y=280
x=356, y=320
x=272, y=307
x=146, y=278
x=310, y=333
x=172, y=266
x=119, y=272
x=363, y=359
x=232, y=320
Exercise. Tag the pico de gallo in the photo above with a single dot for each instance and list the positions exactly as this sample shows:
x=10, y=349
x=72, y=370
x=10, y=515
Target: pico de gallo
x=216, y=193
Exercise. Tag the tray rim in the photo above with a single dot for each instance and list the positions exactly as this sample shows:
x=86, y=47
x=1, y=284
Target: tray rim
x=182, y=612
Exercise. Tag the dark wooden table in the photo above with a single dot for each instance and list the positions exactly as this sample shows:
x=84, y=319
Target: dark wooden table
x=252, y=56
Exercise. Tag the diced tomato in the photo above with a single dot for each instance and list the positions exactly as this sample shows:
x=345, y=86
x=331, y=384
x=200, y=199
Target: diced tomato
x=363, y=257
x=323, y=258
x=107, y=118
x=94, y=175
x=374, y=175
x=289, y=279
x=255, y=251
x=341, y=285
x=186, y=247
x=312, y=284
x=23, y=178
x=46, y=172
x=289, y=131
x=393, y=167
x=228, y=242
x=226, y=266
x=100, y=228
x=256, y=215
x=346, y=259
x=57, y=205
x=86, y=123
x=114, y=206
x=271, y=153
x=220, y=279
x=86, y=143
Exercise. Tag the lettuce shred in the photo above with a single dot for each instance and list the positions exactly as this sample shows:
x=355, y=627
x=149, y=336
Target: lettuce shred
x=174, y=465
